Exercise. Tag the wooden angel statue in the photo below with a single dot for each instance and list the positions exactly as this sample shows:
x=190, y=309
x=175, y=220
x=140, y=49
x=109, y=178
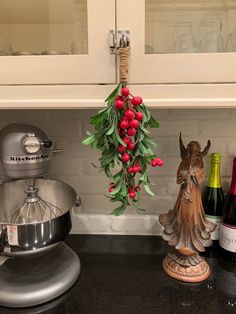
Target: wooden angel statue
x=185, y=227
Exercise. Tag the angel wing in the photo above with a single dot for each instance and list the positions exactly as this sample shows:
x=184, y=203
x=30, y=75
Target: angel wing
x=183, y=149
x=206, y=149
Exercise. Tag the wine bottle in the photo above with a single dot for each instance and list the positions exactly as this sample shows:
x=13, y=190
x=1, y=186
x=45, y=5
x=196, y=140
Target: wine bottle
x=213, y=196
x=228, y=224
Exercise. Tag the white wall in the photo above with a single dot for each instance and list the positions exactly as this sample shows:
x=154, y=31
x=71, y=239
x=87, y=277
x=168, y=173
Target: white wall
x=68, y=127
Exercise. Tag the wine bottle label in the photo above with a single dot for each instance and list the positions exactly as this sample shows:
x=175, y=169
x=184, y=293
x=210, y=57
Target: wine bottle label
x=228, y=237
x=216, y=220
x=12, y=234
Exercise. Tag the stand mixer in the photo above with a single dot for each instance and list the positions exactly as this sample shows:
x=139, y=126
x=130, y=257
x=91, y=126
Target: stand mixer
x=36, y=266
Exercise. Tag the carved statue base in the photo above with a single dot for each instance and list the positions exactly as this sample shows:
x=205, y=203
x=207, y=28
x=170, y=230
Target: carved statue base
x=191, y=268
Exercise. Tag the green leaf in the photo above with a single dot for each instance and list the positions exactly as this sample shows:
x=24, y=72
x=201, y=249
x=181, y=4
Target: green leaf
x=98, y=119
x=145, y=150
x=148, y=190
x=124, y=191
x=137, y=207
x=144, y=177
x=119, y=89
x=110, y=130
x=102, y=110
x=119, y=210
x=153, y=123
x=117, y=187
x=149, y=142
x=118, y=138
x=95, y=166
x=143, y=128
x=106, y=160
x=112, y=95
x=146, y=112
x=89, y=140
x=108, y=172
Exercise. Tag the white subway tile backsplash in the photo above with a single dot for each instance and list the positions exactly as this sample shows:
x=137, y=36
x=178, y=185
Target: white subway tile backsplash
x=213, y=128
x=66, y=166
x=94, y=224
x=103, y=204
x=209, y=114
x=160, y=114
x=134, y=223
x=172, y=127
x=232, y=148
x=68, y=128
x=91, y=166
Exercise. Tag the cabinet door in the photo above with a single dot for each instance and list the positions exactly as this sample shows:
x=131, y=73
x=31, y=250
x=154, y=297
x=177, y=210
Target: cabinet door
x=180, y=41
x=56, y=41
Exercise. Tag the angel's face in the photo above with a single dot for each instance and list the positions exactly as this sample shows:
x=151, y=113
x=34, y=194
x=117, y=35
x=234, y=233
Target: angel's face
x=194, y=147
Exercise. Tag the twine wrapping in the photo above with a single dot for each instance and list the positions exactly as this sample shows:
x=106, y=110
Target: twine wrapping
x=124, y=64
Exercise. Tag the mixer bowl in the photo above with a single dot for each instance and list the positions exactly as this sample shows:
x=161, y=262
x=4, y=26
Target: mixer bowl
x=33, y=238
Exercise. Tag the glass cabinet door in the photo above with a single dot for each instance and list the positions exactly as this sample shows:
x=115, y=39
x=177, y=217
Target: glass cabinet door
x=56, y=41
x=180, y=41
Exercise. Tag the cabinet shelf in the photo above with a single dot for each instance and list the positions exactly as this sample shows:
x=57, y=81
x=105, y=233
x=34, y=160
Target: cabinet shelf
x=155, y=96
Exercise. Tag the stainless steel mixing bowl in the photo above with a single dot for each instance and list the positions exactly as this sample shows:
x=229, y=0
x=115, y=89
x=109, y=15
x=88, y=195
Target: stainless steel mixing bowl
x=33, y=238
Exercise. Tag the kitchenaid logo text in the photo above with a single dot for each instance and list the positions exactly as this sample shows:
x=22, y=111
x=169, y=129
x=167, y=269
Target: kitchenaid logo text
x=25, y=159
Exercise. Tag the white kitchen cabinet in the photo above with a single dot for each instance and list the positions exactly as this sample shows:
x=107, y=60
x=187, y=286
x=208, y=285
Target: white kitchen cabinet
x=56, y=42
x=180, y=41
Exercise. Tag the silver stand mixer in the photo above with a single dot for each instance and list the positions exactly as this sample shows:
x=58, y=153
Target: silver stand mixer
x=35, y=265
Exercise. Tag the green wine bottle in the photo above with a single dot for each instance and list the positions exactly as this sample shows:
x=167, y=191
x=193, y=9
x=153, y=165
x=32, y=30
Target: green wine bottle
x=213, y=196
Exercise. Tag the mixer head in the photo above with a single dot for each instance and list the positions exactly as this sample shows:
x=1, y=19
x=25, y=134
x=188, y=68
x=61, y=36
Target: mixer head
x=25, y=151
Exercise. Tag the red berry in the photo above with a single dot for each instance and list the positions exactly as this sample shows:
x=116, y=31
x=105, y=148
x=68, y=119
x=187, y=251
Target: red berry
x=124, y=124
x=134, y=124
x=135, y=169
x=131, y=131
x=119, y=104
x=124, y=118
x=121, y=149
x=131, y=146
x=119, y=97
x=129, y=114
x=160, y=163
x=139, y=168
x=126, y=140
x=139, y=116
x=136, y=101
x=130, y=170
x=125, y=157
x=131, y=194
x=125, y=91
x=111, y=189
x=154, y=162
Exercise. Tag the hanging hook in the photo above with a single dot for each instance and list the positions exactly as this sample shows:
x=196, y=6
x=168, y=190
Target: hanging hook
x=124, y=41
x=121, y=41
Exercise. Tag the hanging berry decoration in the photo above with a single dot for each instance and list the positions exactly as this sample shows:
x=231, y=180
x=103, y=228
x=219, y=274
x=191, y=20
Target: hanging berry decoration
x=122, y=136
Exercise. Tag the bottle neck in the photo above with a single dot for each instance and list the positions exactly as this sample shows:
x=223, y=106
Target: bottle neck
x=233, y=182
x=214, y=176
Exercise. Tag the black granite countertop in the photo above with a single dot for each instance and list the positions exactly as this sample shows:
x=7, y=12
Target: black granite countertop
x=123, y=274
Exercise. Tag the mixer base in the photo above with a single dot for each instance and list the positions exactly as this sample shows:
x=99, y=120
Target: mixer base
x=38, y=279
